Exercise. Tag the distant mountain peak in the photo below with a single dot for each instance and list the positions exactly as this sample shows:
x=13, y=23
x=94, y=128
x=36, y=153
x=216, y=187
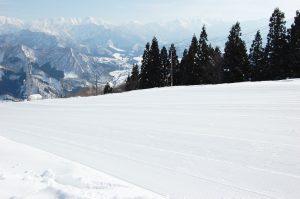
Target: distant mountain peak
x=10, y=21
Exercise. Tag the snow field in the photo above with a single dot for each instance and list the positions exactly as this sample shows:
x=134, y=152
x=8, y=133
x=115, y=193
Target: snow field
x=219, y=141
x=28, y=173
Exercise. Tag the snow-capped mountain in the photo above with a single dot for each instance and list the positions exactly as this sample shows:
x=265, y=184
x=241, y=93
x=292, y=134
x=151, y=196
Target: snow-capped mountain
x=9, y=25
x=81, y=48
x=62, y=45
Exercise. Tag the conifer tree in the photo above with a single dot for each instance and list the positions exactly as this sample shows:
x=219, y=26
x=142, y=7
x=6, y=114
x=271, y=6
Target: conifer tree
x=107, y=89
x=294, y=46
x=206, y=69
x=145, y=68
x=236, y=66
x=154, y=73
x=132, y=82
x=181, y=75
x=192, y=63
x=127, y=83
x=217, y=65
x=175, y=65
x=257, y=58
x=276, y=48
x=165, y=67
x=135, y=77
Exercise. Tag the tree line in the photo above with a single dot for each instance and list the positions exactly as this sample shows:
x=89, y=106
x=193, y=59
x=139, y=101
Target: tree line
x=204, y=64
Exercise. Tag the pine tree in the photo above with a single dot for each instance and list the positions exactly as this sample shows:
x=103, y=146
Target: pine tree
x=236, y=66
x=127, y=84
x=134, y=79
x=165, y=67
x=175, y=65
x=294, y=46
x=132, y=82
x=276, y=47
x=145, y=68
x=107, y=89
x=154, y=73
x=257, y=58
x=181, y=75
x=206, y=69
x=192, y=64
x=217, y=65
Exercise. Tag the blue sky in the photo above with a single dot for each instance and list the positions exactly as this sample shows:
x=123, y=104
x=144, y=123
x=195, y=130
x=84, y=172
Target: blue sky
x=147, y=10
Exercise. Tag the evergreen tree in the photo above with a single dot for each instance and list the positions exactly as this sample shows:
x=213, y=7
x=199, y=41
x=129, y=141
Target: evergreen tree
x=257, y=58
x=175, y=65
x=236, y=66
x=145, y=69
x=181, y=77
x=132, y=82
x=276, y=48
x=192, y=64
x=217, y=65
x=154, y=73
x=165, y=67
x=206, y=70
x=294, y=46
x=107, y=89
x=127, y=84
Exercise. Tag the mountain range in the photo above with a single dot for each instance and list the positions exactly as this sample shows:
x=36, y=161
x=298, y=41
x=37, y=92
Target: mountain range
x=85, y=49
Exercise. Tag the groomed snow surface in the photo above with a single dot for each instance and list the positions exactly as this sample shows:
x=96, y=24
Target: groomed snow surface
x=230, y=141
x=28, y=173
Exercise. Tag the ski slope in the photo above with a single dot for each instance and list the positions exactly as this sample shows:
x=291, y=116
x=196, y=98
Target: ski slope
x=218, y=141
x=28, y=173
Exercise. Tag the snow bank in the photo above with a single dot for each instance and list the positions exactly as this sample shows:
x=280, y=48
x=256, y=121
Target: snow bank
x=27, y=173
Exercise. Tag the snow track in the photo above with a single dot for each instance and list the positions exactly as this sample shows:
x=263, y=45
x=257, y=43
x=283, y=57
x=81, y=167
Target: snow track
x=223, y=141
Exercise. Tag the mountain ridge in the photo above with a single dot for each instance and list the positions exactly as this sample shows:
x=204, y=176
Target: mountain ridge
x=84, y=47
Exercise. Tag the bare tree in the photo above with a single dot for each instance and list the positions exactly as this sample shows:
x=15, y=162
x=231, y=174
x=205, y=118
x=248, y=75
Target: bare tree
x=28, y=81
x=98, y=75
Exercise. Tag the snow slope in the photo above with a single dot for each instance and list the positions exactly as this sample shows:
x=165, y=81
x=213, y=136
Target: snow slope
x=28, y=173
x=219, y=141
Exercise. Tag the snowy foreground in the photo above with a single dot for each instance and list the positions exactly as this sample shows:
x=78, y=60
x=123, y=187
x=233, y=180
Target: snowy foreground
x=28, y=173
x=236, y=141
